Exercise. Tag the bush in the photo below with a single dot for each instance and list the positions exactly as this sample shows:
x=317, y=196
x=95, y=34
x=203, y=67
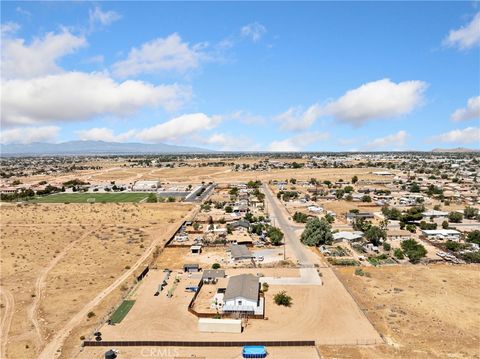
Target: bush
x=361, y=273
x=216, y=266
x=470, y=212
x=413, y=250
x=474, y=237
x=455, y=217
x=387, y=246
x=282, y=298
x=265, y=287
x=152, y=198
x=90, y=314
x=275, y=235
x=300, y=217
x=398, y=253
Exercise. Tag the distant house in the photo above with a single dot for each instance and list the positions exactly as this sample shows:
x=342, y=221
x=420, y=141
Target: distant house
x=398, y=234
x=240, y=252
x=353, y=216
x=315, y=209
x=434, y=213
x=146, y=186
x=442, y=234
x=347, y=236
x=212, y=275
x=243, y=295
x=242, y=224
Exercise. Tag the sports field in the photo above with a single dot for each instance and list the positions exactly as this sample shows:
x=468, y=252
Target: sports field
x=122, y=311
x=91, y=197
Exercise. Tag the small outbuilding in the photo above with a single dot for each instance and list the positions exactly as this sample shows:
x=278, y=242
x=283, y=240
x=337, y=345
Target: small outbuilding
x=212, y=275
x=196, y=249
x=191, y=268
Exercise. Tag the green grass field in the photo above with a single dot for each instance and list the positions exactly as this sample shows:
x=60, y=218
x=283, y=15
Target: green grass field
x=91, y=197
x=122, y=311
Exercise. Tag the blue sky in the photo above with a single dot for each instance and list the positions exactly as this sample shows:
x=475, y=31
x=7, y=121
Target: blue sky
x=315, y=76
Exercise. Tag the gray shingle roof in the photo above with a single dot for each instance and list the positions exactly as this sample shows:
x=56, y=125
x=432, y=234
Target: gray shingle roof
x=240, y=251
x=243, y=285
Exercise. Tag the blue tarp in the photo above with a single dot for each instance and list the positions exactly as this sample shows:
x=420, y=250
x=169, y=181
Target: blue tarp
x=254, y=351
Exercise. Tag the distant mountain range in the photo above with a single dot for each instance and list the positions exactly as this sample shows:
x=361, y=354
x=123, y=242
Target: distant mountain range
x=458, y=149
x=94, y=148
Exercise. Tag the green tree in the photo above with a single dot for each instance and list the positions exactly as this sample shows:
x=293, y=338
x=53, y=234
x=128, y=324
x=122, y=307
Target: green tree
x=470, y=212
x=276, y=235
x=455, y=217
x=317, y=232
x=445, y=224
x=215, y=265
x=398, y=253
x=375, y=234
x=300, y=217
x=474, y=237
x=354, y=179
x=413, y=250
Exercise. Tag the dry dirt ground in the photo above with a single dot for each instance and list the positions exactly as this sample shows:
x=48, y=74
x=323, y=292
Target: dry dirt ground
x=198, y=353
x=321, y=313
x=422, y=311
x=116, y=171
x=55, y=258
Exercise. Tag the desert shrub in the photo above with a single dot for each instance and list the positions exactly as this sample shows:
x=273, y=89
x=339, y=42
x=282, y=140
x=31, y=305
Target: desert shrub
x=282, y=298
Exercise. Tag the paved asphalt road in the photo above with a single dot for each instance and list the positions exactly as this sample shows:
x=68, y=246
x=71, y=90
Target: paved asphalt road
x=279, y=219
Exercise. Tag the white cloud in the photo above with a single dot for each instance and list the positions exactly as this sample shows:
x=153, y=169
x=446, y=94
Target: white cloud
x=254, y=31
x=294, y=119
x=377, y=100
x=245, y=117
x=25, y=135
x=297, y=143
x=162, y=54
x=9, y=28
x=23, y=11
x=389, y=142
x=228, y=142
x=178, y=128
x=467, y=135
x=104, y=18
x=20, y=60
x=471, y=112
x=380, y=99
x=104, y=134
x=466, y=36
x=76, y=96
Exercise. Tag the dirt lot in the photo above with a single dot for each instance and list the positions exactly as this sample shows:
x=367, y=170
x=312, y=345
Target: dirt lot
x=115, y=171
x=423, y=312
x=332, y=317
x=198, y=353
x=57, y=257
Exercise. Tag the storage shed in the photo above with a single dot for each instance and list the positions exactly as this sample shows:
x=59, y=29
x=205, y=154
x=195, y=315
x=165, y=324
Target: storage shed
x=210, y=325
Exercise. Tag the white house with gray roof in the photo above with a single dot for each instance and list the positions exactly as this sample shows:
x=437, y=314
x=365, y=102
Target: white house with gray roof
x=243, y=295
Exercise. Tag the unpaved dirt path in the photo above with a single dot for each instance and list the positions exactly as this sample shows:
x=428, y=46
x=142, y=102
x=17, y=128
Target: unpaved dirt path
x=41, y=284
x=53, y=348
x=6, y=319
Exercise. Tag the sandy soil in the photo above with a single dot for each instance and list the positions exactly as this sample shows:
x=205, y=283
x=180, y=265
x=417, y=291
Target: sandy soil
x=423, y=312
x=162, y=317
x=198, y=353
x=116, y=171
x=55, y=258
